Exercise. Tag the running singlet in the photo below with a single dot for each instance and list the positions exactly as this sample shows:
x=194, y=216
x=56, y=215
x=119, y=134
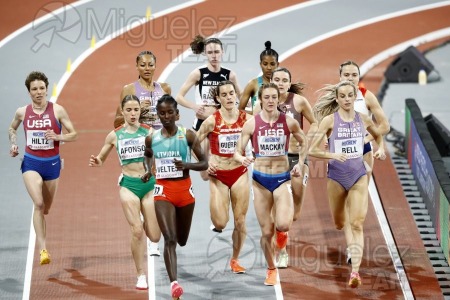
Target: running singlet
x=360, y=102
x=224, y=137
x=165, y=150
x=131, y=146
x=35, y=126
x=255, y=97
x=288, y=108
x=207, y=81
x=153, y=96
x=347, y=137
x=271, y=140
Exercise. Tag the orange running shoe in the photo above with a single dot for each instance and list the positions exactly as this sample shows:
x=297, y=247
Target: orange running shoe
x=282, y=238
x=271, y=277
x=177, y=290
x=236, y=268
x=44, y=257
x=355, y=280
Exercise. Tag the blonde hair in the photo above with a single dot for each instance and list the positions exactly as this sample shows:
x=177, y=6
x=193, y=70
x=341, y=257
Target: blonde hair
x=327, y=104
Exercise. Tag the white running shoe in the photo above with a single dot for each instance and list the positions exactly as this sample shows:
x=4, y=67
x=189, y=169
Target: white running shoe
x=283, y=260
x=213, y=228
x=153, y=249
x=142, y=283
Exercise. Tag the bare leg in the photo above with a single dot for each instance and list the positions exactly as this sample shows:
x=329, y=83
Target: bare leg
x=219, y=203
x=150, y=222
x=42, y=194
x=132, y=209
x=175, y=225
x=358, y=203
x=263, y=202
x=240, y=192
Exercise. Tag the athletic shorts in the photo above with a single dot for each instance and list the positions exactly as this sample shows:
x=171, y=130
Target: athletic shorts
x=178, y=192
x=293, y=160
x=136, y=185
x=48, y=167
x=367, y=148
x=271, y=181
x=229, y=177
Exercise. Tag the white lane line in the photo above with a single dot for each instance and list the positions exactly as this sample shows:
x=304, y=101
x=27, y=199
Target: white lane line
x=353, y=26
x=151, y=276
x=169, y=69
x=278, y=290
x=60, y=85
x=29, y=265
x=77, y=62
x=41, y=20
x=393, y=251
x=382, y=56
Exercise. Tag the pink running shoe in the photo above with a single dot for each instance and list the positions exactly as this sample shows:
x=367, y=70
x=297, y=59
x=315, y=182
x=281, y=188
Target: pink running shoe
x=355, y=280
x=177, y=290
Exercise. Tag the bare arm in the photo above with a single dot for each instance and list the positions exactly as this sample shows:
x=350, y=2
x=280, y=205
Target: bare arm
x=192, y=80
x=303, y=106
x=375, y=132
x=246, y=133
x=249, y=91
x=324, y=130
x=110, y=141
x=257, y=108
x=63, y=117
x=233, y=79
x=166, y=88
x=206, y=127
x=12, y=131
x=378, y=113
x=148, y=159
x=202, y=163
x=299, y=135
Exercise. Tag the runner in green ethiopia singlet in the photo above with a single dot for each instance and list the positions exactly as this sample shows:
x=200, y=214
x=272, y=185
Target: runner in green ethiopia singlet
x=165, y=150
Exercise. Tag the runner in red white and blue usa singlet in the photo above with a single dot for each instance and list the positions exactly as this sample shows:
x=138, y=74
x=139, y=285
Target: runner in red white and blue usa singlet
x=271, y=140
x=35, y=126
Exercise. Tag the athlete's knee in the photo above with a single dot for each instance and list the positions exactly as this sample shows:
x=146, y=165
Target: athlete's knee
x=152, y=236
x=137, y=230
x=239, y=223
x=357, y=225
x=283, y=226
x=267, y=234
x=182, y=242
x=170, y=241
x=219, y=223
x=39, y=207
x=204, y=175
